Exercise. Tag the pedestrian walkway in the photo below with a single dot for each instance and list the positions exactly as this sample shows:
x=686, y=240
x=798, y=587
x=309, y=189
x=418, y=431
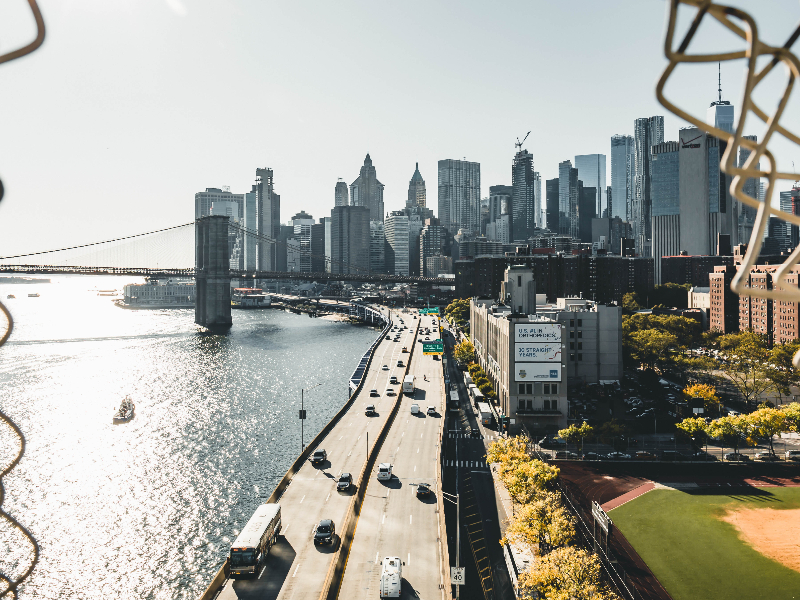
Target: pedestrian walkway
x=469, y=464
x=461, y=434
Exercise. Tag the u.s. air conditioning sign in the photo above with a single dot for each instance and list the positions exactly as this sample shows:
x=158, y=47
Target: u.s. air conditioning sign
x=537, y=332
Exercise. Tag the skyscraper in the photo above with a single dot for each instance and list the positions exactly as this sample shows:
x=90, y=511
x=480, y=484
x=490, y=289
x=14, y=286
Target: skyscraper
x=350, y=239
x=340, y=194
x=622, y=174
x=568, y=223
x=720, y=113
x=416, y=190
x=204, y=200
x=551, y=220
x=752, y=187
x=430, y=244
x=368, y=191
x=377, y=250
x=397, y=243
x=302, y=223
x=648, y=132
x=537, y=200
x=268, y=219
x=592, y=171
x=500, y=205
x=251, y=225
x=459, y=195
x=523, y=221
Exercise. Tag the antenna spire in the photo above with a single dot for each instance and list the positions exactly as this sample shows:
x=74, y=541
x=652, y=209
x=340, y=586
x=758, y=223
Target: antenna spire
x=719, y=74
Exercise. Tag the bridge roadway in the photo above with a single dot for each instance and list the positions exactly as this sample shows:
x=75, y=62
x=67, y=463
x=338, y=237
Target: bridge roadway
x=295, y=567
x=393, y=521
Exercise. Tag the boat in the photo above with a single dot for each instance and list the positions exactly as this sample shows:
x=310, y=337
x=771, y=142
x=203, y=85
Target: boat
x=33, y=295
x=10, y=297
x=106, y=292
x=125, y=412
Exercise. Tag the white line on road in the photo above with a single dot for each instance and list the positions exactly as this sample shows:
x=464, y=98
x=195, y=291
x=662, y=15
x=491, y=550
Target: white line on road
x=415, y=468
x=349, y=453
x=398, y=450
x=376, y=557
x=264, y=568
x=298, y=566
x=301, y=499
x=417, y=450
x=383, y=520
x=402, y=434
x=341, y=436
x=358, y=438
x=408, y=562
x=329, y=495
x=409, y=522
x=421, y=434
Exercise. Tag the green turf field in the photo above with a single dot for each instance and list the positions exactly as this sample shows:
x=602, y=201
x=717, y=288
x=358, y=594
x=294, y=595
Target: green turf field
x=695, y=555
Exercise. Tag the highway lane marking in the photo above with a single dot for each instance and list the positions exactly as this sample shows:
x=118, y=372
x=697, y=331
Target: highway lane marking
x=264, y=568
x=329, y=495
x=409, y=522
x=402, y=434
x=415, y=468
x=285, y=530
x=301, y=499
x=417, y=450
x=376, y=557
x=349, y=453
x=383, y=520
x=398, y=450
x=358, y=438
x=295, y=570
x=408, y=562
x=340, y=437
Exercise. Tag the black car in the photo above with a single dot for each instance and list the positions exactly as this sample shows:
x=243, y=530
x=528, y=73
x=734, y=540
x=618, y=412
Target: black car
x=423, y=490
x=324, y=532
x=319, y=456
x=476, y=433
x=344, y=482
x=673, y=455
x=592, y=456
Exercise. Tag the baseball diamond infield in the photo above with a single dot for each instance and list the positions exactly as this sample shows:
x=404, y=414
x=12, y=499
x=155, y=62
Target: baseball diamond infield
x=717, y=543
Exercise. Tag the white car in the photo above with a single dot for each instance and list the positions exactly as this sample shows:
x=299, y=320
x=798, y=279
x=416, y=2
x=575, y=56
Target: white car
x=385, y=367
x=431, y=411
x=415, y=409
x=389, y=391
x=384, y=472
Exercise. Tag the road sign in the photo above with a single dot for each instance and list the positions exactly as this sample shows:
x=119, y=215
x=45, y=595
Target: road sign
x=601, y=517
x=457, y=575
x=429, y=311
x=436, y=347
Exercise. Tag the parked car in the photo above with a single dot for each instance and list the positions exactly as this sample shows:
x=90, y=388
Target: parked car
x=766, y=456
x=593, y=456
x=644, y=455
x=703, y=456
x=344, y=482
x=319, y=456
x=565, y=455
x=792, y=455
x=324, y=532
x=618, y=456
x=673, y=455
x=736, y=457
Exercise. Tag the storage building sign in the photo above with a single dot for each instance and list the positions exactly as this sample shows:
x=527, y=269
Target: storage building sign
x=537, y=371
x=538, y=352
x=537, y=332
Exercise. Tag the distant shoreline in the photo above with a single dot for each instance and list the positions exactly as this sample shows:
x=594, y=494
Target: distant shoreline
x=22, y=280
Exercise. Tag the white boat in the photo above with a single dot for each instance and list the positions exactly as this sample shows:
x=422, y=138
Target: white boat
x=10, y=297
x=125, y=412
x=33, y=295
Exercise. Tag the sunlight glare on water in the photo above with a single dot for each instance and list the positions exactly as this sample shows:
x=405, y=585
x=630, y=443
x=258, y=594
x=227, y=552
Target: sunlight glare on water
x=146, y=509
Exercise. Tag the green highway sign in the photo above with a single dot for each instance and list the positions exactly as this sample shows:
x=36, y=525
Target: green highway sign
x=435, y=347
x=429, y=311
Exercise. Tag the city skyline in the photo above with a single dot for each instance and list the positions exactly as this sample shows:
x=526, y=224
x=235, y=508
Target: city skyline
x=164, y=120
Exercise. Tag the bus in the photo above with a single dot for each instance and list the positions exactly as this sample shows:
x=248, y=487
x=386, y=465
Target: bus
x=486, y=413
x=253, y=544
x=454, y=400
x=408, y=384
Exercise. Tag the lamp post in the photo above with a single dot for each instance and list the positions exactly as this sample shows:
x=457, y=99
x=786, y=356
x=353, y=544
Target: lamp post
x=303, y=416
x=457, y=502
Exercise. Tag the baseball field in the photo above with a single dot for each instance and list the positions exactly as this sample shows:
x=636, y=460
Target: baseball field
x=718, y=544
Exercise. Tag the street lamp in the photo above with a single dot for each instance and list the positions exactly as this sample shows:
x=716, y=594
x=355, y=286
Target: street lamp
x=303, y=416
x=457, y=502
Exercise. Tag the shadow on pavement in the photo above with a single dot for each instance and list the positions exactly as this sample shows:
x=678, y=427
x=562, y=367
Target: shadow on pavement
x=276, y=569
x=393, y=484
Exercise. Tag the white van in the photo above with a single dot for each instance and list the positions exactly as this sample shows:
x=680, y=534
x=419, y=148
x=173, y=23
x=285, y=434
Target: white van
x=391, y=577
x=408, y=384
x=384, y=472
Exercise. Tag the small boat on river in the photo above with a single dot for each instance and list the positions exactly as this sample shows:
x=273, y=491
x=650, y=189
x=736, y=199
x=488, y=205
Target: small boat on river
x=125, y=412
x=10, y=297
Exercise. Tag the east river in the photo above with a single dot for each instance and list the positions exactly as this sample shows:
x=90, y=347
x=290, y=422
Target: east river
x=147, y=509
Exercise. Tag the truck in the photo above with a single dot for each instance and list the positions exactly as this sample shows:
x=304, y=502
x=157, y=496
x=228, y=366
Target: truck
x=485, y=412
x=408, y=384
x=391, y=577
x=472, y=388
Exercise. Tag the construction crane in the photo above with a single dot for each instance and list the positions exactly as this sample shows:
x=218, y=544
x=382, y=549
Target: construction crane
x=519, y=144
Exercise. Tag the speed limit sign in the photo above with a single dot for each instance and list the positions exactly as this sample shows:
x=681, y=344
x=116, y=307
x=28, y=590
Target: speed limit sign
x=457, y=575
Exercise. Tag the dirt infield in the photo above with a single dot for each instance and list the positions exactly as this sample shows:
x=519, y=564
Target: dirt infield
x=774, y=533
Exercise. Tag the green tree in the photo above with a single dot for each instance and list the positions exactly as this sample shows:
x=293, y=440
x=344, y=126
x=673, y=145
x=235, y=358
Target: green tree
x=485, y=387
x=731, y=429
x=766, y=423
x=653, y=349
x=508, y=450
x=464, y=353
x=780, y=368
x=792, y=415
x=670, y=295
x=544, y=522
x=695, y=428
x=473, y=368
x=566, y=574
x=630, y=302
x=745, y=366
x=576, y=433
x=525, y=479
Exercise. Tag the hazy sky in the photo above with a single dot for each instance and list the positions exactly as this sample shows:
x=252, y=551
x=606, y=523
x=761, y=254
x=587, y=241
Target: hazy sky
x=132, y=106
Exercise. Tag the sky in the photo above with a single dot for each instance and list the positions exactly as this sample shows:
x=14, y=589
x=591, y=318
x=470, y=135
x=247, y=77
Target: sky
x=132, y=106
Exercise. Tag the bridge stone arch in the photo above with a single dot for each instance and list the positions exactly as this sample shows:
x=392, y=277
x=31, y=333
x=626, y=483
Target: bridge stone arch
x=212, y=274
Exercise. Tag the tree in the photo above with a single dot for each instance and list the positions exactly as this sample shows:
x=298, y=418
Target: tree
x=525, y=479
x=630, y=302
x=473, y=368
x=767, y=422
x=464, y=353
x=702, y=390
x=780, y=368
x=694, y=427
x=566, y=574
x=544, y=522
x=670, y=294
x=746, y=365
x=651, y=348
x=792, y=415
x=731, y=429
x=458, y=312
x=575, y=433
x=508, y=450
x=485, y=387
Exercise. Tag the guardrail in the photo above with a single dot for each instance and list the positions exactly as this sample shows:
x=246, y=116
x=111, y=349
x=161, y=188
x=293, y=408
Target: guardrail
x=223, y=572
x=444, y=550
x=335, y=575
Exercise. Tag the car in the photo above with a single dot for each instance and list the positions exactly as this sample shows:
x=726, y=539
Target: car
x=427, y=338
x=384, y=472
x=593, y=456
x=400, y=363
x=319, y=456
x=389, y=391
x=344, y=482
x=736, y=457
x=325, y=532
x=673, y=455
x=385, y=368
x=702, y=456
x=617, y=456
x=766, y=456
x=563, y=454
x=405, y=350
x=431, y=411
x=374, y=393
x=369, y=410
x=644, y=455
x=423, y=490
x=476, y=433
x=435, y=356
x=393, y=379
x=415, y=409
x=792, y=455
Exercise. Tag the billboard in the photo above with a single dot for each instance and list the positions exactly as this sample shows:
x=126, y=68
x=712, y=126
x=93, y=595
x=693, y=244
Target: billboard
x=537, y=332
x=538, y=352
x=537, y=372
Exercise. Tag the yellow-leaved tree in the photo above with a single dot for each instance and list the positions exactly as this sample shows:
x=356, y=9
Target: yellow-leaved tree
x=576, y=433
x=695, y=428
x=707, y=392
x=464, y=353
x=766, y=423
x=566, y=574
x=524, y=480
x=507, y=450
x=543, y=522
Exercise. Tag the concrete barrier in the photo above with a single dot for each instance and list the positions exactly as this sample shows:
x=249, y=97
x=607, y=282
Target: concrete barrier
x=335, y=575
x=444, y=551
x=222, y=574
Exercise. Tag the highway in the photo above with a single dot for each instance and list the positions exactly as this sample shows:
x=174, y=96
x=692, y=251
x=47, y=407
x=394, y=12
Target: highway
x=393, y=521
x=295, y=567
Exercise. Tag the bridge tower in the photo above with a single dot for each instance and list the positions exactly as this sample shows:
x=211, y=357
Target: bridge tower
x=212, y=273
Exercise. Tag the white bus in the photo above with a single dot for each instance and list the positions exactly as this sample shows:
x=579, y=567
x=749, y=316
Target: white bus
x=391, y=577
x=408, y=384
x=253, y=544
x=486, y=413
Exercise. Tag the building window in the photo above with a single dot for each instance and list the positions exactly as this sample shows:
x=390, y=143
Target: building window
x=521, y=388
x=580, y=345
x=546, y=388
x=572, y=334
x=580, y=334
x=554, y=389
x=554, y=405
x=547, y=404
x=519, y=280
x=572, y=356
x=580, y=322
x=572, y=345
x=580, y=356
x=572, y=323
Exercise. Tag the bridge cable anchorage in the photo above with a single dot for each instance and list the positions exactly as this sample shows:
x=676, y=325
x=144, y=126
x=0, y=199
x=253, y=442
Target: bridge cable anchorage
x=10, y=585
